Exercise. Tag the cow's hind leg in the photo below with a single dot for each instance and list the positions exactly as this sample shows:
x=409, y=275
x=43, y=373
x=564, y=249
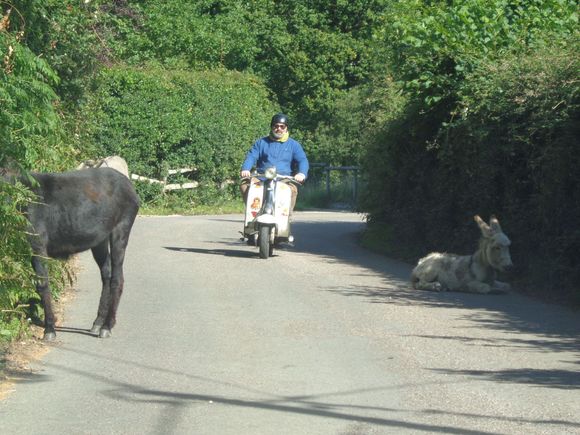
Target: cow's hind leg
x=103, y=259
x=118, y=241
x=43, y=290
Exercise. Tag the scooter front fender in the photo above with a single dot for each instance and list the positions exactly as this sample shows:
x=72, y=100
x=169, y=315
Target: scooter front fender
x=266, y=219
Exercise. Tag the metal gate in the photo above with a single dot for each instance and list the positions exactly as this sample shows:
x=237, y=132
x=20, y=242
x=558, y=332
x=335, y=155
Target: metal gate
x=338, y=186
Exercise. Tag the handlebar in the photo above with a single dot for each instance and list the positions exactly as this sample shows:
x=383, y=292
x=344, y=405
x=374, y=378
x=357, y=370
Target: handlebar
x=285, y=178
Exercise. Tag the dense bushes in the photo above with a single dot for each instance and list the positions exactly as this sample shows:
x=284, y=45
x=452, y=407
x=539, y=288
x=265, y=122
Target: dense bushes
x=307, y=52
x=16, y=276
x=158, y=120
x=489, y=125
x=31, y=138
x=30, y=125
x=435, y=44
x=64, y=35
x=511, y=151
x=516, y=149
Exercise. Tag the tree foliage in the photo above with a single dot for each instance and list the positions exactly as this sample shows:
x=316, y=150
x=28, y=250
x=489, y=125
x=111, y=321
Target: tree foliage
x=31, y=137
x=65, y=34
x=434, y=44
x=306, y=51
x=27, y=113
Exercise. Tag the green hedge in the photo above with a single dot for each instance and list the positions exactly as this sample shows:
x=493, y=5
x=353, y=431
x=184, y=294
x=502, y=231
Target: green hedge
x=159, y=119
x=512, y=150
x=515, y=152
x=31, y=138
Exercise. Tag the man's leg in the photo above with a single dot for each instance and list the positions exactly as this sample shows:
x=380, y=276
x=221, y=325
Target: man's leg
x=244, y=190
x=244, y=187
x=294, y=190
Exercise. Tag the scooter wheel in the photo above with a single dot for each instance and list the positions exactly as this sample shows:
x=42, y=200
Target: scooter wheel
x=264, y=242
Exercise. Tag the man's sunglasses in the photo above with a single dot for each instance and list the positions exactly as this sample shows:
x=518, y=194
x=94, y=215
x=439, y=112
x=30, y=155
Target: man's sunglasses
x=279, y=127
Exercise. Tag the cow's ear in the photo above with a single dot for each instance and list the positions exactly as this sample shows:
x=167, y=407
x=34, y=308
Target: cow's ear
x=485, y=230
x=494, y=224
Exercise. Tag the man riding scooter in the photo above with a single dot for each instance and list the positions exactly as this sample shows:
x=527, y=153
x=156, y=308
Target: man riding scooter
x=277, y=150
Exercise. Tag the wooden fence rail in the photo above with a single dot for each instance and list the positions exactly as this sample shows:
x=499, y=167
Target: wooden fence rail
x=169, y=186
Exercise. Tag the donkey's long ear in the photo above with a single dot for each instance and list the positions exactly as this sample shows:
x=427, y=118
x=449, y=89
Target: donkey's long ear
x=494, y=224
x=485, y=229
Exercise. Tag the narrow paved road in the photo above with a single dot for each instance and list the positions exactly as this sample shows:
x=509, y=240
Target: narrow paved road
x=324, y=338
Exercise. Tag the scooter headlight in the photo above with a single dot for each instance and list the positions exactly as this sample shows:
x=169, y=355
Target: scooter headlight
x=270, y=173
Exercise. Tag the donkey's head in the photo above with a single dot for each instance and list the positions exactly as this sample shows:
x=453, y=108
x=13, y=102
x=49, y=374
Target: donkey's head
x=494, y=244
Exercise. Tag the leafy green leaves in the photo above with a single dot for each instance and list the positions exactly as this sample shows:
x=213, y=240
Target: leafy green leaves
x=27, y=99
x=31, y=132
x=158, y=119
x=434, y=44
x=16, y=277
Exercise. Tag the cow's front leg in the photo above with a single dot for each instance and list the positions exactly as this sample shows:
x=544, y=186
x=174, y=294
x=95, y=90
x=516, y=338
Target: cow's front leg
x=43, y=289
x=103, y=260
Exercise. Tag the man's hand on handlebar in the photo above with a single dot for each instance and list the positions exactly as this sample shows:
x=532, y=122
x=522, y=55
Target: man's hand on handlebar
x=300, y=177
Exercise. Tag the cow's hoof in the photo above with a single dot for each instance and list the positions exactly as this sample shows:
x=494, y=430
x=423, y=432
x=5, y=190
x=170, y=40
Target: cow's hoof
x=96, y=329
x=49, y=336
x=105, y=333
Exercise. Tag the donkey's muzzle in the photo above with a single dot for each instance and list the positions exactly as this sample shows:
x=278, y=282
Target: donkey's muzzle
x=508, y=267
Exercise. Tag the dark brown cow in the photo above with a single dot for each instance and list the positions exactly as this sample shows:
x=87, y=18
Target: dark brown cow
x=76, y=211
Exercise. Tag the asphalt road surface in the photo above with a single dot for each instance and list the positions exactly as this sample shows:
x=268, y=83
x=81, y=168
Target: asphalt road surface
x=322, y=338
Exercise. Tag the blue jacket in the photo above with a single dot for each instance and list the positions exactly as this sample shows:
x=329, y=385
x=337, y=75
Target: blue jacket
x=266, y=153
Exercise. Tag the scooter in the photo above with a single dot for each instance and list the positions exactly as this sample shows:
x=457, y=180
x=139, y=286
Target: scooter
x=268, y=207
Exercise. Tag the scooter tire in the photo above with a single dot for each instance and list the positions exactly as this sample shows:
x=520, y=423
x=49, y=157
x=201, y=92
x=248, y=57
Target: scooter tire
x=264, y=241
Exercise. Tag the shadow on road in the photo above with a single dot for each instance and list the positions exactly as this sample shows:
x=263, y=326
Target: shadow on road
x=557, y=327
x=323, y=405
x=562, y=379
x=71, y=330
x=222, y=252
